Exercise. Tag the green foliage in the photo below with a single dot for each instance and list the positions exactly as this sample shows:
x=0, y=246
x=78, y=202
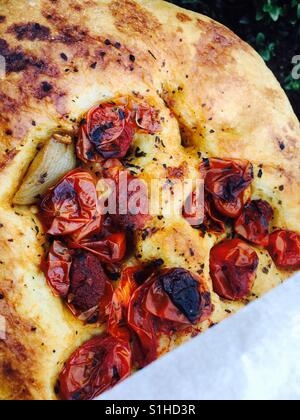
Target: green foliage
x=266, y=50
x=287, y=14
x=292, y=84
x=272, y=27
x=270, y=9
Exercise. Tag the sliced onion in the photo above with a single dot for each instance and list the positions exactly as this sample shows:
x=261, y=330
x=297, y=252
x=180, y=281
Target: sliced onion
x=52, y=162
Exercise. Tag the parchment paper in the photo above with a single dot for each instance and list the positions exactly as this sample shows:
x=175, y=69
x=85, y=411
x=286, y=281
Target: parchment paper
x=252, y=355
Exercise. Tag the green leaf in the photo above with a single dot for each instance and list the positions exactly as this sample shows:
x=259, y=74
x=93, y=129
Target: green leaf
x=260, y=39
x=265, y=55
x=292, y=84
x=273, y=10
x=259, y=15
x=269, y=52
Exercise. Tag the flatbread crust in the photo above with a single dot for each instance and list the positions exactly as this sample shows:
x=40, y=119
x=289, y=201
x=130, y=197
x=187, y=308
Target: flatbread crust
x=217, y=97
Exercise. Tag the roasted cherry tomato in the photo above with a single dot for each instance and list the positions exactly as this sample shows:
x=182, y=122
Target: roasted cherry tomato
x=226, y=182
x=213, y=221
x=108, y=129
x=95, y=367
x=106, y=132
x=233, y=265
x=284, y=248
x=89, y=286
x=57, y=268
x=170, y=300
x=117, y=322
x=177, y=295
x=132, y=278
x=111, y=249
x=79, y=278
x=127, y=216
x=253, y=223
x=72, y=206
x=142, y=324
x=210, y=220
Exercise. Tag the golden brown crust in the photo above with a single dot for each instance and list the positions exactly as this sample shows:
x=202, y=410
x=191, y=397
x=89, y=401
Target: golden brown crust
x=63, y=60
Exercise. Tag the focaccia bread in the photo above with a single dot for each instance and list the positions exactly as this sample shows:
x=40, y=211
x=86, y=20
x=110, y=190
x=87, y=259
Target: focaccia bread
x=215, y=99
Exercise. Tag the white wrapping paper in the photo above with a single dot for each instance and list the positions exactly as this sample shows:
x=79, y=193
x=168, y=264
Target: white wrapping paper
x=252, y=355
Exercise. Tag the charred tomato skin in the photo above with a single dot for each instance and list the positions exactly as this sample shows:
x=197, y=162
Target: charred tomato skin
x=87, y=281
x=253, y=223
x=106, y=132
x=284, y=248
x=108, y=129
x=95, y=367
x=177, y=295
x=168, y=301
x=78, y=277
x=233, y=266
x=91, y=291
x=226, y=182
